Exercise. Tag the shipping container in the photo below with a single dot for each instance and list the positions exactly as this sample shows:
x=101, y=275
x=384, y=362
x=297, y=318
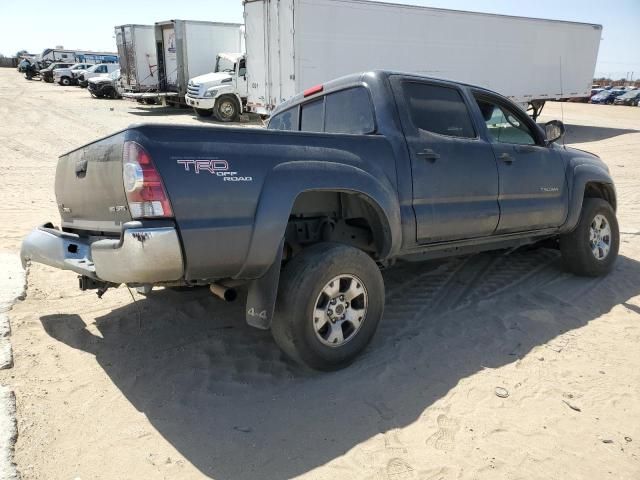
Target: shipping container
x=295, y=44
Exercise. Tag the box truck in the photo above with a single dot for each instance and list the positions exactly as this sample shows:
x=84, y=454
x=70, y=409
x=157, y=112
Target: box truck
x=296, y=44
x=138, y=58
x=185, y=49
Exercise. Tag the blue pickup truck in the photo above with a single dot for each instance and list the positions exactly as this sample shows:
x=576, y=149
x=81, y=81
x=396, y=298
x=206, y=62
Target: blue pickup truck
x=348, y=177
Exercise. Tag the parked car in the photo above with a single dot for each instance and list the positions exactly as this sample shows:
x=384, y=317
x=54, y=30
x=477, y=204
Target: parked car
x=46, y=74
x=105, y=86
x=606, y=97
x=65, y=76
x=94, y=71
x=631, y=97
x=349, y=176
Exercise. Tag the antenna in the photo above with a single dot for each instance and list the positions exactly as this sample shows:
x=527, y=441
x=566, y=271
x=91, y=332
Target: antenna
x=561, y=102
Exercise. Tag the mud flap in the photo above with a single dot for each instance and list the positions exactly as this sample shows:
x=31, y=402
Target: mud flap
x=261, y=298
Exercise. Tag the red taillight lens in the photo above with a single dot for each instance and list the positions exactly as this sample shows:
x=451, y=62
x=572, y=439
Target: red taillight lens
x=142, y=183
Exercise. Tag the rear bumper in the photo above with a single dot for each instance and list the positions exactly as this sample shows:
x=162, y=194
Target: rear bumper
x=140, y=255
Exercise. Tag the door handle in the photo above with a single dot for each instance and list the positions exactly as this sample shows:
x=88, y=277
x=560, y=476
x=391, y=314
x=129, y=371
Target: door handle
x=428, y=154
x=506, y=158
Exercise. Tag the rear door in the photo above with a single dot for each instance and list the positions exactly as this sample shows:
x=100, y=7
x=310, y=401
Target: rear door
x=454, y=173
x=533, y=186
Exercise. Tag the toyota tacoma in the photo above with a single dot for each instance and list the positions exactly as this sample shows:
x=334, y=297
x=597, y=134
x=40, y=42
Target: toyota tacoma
x=348, y=177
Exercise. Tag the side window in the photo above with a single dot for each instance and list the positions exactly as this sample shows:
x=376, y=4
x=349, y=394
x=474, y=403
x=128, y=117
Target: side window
x=287, y=120
x=349, y=111
x=503, y=125
x=311, y=116
x=242, y=68
x=438, y=109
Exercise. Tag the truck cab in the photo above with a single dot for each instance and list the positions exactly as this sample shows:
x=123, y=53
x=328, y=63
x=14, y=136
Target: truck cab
x=223, y=92
x=67, y=76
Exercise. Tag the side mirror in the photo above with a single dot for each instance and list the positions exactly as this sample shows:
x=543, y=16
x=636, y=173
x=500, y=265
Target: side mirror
x=553, y=130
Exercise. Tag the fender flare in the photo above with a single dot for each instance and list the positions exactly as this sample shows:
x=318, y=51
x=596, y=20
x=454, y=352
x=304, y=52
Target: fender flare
x=582, y=175
x=288, y=180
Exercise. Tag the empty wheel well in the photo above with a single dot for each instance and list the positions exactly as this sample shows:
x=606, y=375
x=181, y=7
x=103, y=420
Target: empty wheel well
x=601, y=190
x=349, y=218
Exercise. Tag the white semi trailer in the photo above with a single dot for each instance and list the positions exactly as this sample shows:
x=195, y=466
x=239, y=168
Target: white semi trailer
x=185, y=49
x=138, y=57
x=295, y=44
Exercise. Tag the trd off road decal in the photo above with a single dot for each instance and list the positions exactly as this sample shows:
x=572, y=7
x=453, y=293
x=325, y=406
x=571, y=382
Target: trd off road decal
x=219, y=168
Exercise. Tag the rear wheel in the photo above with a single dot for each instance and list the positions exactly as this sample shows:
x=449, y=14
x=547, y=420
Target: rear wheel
x=227, y=109
x=330, y=302
x=591, y=248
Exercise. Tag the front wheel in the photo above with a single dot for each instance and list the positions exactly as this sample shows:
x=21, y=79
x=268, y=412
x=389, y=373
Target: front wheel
x=227, y=109
x=201, y=112
x=65, y=81
x=330, y=301
x=591, y=248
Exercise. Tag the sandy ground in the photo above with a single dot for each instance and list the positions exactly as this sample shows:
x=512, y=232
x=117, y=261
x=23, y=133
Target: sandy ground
x=176, y=386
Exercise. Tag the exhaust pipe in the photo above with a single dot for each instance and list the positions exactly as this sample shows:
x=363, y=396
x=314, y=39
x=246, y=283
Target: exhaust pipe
x=225, y=293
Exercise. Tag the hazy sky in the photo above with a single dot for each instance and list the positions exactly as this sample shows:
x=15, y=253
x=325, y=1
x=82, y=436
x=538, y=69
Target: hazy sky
x=37, y=24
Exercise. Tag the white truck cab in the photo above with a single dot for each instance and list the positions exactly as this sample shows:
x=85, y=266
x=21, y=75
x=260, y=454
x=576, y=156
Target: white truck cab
x=222, y=93
x=66, y=76
x=95, y=71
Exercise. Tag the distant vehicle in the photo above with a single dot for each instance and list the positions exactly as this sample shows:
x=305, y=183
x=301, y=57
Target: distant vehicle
x=295, y=44
x=105, y=86
x=25, y=61
x=187, y=49
x=46, y=74
x=606, y=97
x=51, y=55
x=65, y=76
x=138, y=57
x=31, y=71
x=632, y=97
x=350, y=176
x=95, y=71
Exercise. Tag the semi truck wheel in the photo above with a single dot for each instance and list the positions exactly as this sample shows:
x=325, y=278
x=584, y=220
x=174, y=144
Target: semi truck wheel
x=227, y=109
x=330, y=301
x=201, y=112
x=591, y=248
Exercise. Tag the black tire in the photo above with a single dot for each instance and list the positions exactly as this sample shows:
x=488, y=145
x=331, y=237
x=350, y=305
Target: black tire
x=301, y=289
x=201, y=112
x=576, y=247
x=65, y=81
x=227, y=109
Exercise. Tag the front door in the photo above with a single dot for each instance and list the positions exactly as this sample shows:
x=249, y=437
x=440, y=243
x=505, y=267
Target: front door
x=533, y=185
x=454, y=173
x=241, y=79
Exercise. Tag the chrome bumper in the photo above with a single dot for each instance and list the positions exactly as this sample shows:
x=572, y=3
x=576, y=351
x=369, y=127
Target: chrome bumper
x=140, y=255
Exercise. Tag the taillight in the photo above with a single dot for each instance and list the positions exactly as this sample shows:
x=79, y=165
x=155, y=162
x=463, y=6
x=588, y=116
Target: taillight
x=146, y=195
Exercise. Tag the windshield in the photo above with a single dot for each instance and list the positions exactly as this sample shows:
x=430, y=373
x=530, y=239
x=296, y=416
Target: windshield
x=225, y=65
x=631, y=94
x=93, y=68
x=114, y=75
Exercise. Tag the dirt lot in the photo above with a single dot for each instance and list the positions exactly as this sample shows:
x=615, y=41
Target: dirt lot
x=176, y=386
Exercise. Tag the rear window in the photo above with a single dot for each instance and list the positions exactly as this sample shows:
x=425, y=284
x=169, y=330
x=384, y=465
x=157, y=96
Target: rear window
x=311, y=116
x=346, y=111
x=438, y=109
x=287, y=120
x=349, y=111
